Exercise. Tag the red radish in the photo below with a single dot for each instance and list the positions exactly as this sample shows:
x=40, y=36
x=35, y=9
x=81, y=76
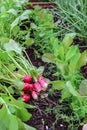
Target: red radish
x=37, y=87
x=31, y=86
x=43, y=83
x=34, y=95
x=26, y=97
x=27, y=79
x=28, y=86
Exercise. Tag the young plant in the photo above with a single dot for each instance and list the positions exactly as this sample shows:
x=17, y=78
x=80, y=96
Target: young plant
x=69, y=61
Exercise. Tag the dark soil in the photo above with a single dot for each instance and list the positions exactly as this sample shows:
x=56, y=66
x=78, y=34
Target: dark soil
x=41, y=120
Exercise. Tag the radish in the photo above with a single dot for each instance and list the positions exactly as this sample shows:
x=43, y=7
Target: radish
x=43, y=83
x=34, y=95
x=28, y=87
x=26, y=97
x=37, y=87
x=27, y=79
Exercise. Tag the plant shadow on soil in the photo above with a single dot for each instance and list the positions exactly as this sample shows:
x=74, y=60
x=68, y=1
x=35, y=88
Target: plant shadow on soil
x=40, y=119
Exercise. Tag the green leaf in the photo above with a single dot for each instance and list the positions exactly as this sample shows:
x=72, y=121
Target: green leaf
x=40, y=70
x=71, y=52
x=59, y=84
x=67, y=41
x=54, y=43
x=4, y=57
x=83, y=88
x=71, y=89
x=15, y=23
x=13, y=120
x=83, y=59
x=48, y=57
x=29, y=41
x=19, y=84
x=65, y=93
x=25, y=15
x=22, y=113
x=12, y=11
x=16, y=30
x=4, y=123
x=12, y=46
x=61, y=52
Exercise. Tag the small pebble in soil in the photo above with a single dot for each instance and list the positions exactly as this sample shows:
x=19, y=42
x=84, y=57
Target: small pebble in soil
x=47, y=128
x=61, y=125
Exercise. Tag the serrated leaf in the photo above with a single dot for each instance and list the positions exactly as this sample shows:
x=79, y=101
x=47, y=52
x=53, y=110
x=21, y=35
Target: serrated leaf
x=59, y=84
x=83, y=88
x=48, y=57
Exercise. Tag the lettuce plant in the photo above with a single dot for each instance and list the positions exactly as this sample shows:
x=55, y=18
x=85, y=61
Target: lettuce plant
x=71, y=83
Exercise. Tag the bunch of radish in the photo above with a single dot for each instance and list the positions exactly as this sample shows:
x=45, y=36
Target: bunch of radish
x=32, y=89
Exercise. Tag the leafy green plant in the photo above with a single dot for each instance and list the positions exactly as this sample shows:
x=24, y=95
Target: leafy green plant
x=26, y=26
x=69, y=60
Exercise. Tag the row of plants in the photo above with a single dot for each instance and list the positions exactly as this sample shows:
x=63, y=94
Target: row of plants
x=21, y=82
x=73, y=17
x=71, y=82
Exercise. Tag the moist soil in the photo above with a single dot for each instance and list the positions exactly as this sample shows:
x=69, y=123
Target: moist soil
x=42, y=120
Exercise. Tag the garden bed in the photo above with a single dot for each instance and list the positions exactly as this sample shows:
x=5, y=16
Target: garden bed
x=43, y=71
x=42, y=120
